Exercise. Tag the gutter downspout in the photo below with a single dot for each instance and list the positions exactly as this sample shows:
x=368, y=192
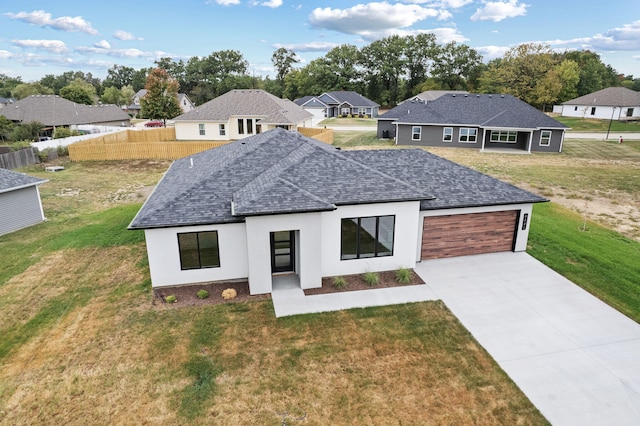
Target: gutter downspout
x=530, y=141
x=483, y=138
x=395, y=137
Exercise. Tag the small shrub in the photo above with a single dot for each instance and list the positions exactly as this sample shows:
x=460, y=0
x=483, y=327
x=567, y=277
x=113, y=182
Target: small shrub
x=339, y=283
x=63, y=151
x=371, y=278
x=229, y=293
x=403, y=275
x=202, y=294
x=171, y=299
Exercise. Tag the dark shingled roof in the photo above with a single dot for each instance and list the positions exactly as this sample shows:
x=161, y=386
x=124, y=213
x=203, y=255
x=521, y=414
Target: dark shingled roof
x=354, y=99
x=52, y=110
x=11, y=181
x=499, y=111
x=280, y=172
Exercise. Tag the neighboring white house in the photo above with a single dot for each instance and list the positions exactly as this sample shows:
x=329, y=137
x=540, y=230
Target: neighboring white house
x=134, y=109
x=238, y=114
x=279, y=202
x=20, y=204
x=612, y=103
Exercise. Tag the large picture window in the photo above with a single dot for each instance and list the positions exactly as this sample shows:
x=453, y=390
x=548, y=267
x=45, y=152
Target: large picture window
x=504, y=136
x=363, y=237
x=468, y=135
x=199, y=250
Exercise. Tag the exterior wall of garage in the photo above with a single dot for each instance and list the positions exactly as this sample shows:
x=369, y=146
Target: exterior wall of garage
x=521, y=228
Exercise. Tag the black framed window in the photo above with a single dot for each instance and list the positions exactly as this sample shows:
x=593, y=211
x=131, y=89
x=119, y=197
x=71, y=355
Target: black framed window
x=363, y=237
x=240, y=126
x=199, y=250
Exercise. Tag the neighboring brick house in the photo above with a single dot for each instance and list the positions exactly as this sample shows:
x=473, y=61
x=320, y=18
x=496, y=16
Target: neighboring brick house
x=279, y=202
x=472, y=121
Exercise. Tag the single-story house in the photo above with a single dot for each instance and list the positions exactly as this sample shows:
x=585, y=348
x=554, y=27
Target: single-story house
x=472, y=121
x=54, y=111
x=280, y=202
x=338, y=103
x=134, y=109
x=238, y=114
x=20, y=204
x=4, y=102
x=612, y=103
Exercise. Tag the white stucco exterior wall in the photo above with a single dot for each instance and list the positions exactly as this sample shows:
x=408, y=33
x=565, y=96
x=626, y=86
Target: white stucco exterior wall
x=406, y=227
x=164, y=256
x=522, y=235
x=190, y=131
x=601, y=112
x=308, y=227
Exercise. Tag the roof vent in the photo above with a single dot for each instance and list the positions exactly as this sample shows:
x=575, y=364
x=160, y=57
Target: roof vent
x=477, y=96
x=454, y=95
x=502, y=96
x=466, y=96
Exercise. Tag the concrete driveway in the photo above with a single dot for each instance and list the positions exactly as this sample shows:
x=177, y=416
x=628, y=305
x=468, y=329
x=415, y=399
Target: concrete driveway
x=576, y=358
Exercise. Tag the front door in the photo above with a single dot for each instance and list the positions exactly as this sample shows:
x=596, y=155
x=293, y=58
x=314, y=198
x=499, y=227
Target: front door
x=282, y=251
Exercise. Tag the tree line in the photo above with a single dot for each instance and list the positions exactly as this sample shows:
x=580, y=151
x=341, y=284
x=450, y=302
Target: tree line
x=386, y=71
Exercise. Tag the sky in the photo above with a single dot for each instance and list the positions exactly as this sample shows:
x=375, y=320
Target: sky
x=54, y=36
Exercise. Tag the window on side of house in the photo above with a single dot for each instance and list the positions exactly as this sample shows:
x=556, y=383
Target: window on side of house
x=249, y=126
x=364, y=237
x=240, y=126
x=593, y=110
x=545, y=138
x=416, y=133
x=222, y=129
x=503, y=136
x=201, y=129
x=468, y=135
x=199, y=250
x=629, y=112
x=447, y=134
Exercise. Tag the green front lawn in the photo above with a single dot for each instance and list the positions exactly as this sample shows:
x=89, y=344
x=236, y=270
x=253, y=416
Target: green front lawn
x=593, y=125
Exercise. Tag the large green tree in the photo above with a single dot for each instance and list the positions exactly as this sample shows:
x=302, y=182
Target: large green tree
x=283, y=61
x=119, y=76
x=161, y=100
x=6, y=128
x=79, y=91
x=421, y=50
x=7, y=84
x=454, y=64
x=384, y=62
x=24, y=90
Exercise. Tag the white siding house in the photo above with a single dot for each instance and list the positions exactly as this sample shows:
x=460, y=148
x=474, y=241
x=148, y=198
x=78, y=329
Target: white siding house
x=612, y=103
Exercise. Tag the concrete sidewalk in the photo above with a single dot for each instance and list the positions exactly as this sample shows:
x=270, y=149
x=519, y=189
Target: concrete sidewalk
x=575, y=357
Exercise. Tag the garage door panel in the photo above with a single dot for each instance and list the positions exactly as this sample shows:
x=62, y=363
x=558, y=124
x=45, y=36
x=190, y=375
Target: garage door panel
x=462, y=235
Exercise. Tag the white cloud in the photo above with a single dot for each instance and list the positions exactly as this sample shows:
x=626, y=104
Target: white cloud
x=123, y=53
x=445, y=4
x=496, y=11
x=271, y=3
x=125, y=35
x=64, y=23
x=55, y=46
x=224, y=2
x=4, y=54
x=371, y=18
x=103, y=44
x=492, y=52
x=625, y=38
x=314, y=46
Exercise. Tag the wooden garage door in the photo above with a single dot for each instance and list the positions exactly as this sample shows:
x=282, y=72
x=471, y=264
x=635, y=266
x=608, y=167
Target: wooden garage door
x=465, y=234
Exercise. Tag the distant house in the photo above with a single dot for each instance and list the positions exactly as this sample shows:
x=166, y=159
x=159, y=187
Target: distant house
x=612, y=103
x=4, y=102
x=432, y=95
x=238, y=114
x=338, y=103
x=54, y=111
x=472, y=121
x=279, y=202
x=134, y=109
x=20, y=204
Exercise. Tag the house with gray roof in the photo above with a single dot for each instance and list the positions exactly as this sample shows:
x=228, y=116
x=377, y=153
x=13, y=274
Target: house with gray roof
x=486, y=121
x=432, y=95
x=20, y=204
x=238, y=114
x=279, y=202
x=338, y=103
x=54, y=111
x=612, y=103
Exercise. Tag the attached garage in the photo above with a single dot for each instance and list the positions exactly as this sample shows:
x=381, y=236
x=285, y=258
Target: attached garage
x=467, y=234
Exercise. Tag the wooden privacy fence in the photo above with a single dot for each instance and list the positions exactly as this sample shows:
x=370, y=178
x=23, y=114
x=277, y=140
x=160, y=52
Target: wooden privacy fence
x=323, y=135
x=156, y=144
x=16, y=159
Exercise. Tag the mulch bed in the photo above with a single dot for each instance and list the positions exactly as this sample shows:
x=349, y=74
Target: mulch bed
x=356, y=282
x=186, y=294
